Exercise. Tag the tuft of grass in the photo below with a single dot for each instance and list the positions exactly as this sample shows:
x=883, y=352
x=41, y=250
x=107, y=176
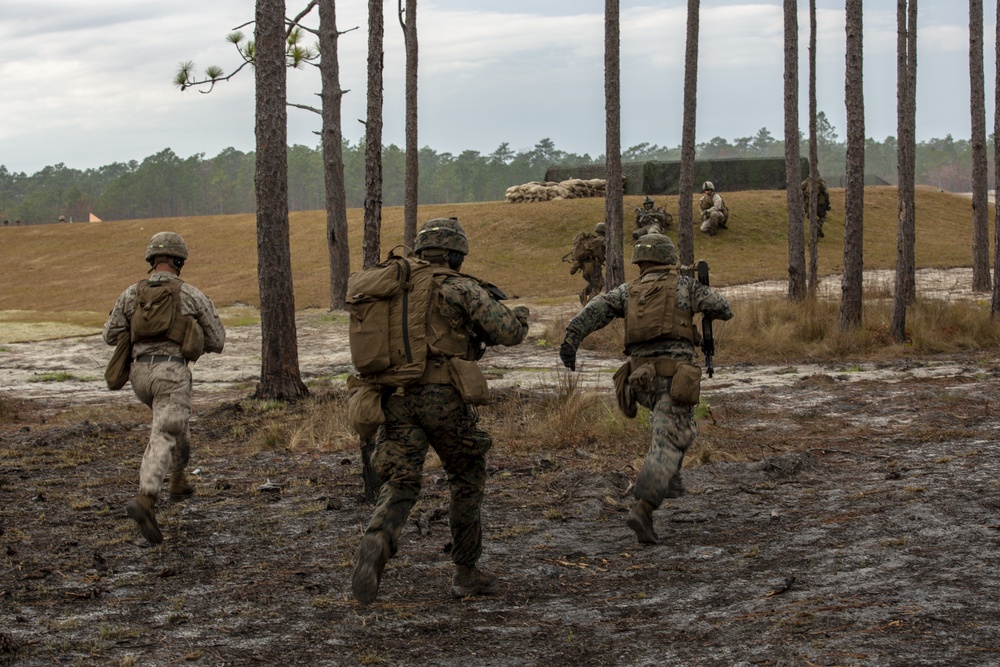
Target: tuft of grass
x=55, y=376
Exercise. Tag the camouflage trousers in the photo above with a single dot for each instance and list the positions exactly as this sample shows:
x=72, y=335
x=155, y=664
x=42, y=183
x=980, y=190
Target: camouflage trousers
x=595, y=282
x=713, y=223
x=166, y=388
x=431, y=415
x=674, y=429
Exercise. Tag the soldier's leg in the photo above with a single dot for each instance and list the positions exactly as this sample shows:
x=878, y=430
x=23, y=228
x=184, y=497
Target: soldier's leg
x=398, y=461
x=171, y=389
x=462, y=448
x=706, y=226
x=674, y=430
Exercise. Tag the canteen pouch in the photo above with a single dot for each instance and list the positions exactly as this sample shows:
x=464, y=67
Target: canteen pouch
x=117, y=372
x=623, y=390
x=193, y=343
x=685, y=386
x=468, y=379
x=364, y=406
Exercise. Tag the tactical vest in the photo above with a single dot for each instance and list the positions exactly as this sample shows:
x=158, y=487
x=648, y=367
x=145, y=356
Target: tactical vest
x=158, y=318
x=651, y=312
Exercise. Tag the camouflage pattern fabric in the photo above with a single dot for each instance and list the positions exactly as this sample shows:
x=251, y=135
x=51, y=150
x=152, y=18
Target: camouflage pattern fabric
x=714, y=213
x=822, y=203
x=593, y=270
x=673, y=426
x=645, y=219
x=434, y=415
x=165, y=386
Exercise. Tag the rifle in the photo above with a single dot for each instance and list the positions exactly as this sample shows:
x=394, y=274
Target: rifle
x=707, y=340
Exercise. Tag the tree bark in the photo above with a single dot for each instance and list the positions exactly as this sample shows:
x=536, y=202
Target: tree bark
x=332, y=140
x=854, y=197
x=980, y=223
x=995, y=305
x=373, y=137
x=411, y=189
x=373, y=190
x=613, y=157
x=813, y=281
x=793, y=168
x=906, y=54
x=685, y=186
x=279, y=375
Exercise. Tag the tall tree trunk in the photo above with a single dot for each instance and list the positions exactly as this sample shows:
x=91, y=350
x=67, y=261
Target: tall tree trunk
x=906, y=53
x=332, y=140
x=980, y=223
x=685, y=186
x=411, y=194
x=995, y=306
x=373, y=192
x=813, y=158
x=279, y=374
x=793, y=165
x=852, y=293
x=613, y=160
x=373, y=137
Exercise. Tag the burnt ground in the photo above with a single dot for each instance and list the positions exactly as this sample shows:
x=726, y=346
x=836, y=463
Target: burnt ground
x=839, y=516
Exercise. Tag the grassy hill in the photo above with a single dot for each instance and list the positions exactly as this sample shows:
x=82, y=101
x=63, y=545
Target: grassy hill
x=73, y=273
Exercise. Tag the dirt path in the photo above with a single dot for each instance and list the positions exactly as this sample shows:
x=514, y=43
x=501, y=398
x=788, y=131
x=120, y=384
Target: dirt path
x=859, y=527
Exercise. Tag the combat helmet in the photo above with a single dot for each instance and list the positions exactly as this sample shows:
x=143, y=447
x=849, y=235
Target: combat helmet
x=169, y=244
x=655, y=248
x=647, y=202
x=600, y=228
x=444, y=233
x=708, y=185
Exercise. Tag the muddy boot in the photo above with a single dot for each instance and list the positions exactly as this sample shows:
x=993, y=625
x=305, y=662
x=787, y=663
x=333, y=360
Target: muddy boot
x=472, y=581
x=140, y=510
x=179, y=488
x=640, y=519
x=372, y=557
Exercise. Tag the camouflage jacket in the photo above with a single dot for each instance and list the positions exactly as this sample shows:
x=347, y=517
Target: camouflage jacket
x=193, y=303
x=469, y=306
x=656, y=216
x=712, y=204
x=692, y=297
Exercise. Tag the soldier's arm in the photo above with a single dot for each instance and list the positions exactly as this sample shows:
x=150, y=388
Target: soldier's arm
x=706, y=300
x=597, y=314
x=118, y=322
x=203, y=310
x=496, y=322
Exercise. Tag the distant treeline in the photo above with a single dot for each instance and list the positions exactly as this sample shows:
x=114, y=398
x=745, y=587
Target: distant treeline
x=166, y=185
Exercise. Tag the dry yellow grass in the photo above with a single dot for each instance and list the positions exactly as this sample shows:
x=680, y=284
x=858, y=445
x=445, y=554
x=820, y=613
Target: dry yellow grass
x=73, y=273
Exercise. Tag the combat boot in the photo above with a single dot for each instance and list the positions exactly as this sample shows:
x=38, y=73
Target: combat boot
x=472, y=581
x=373, y=553
x=179, y=488
x=140, y=510
x=640, y=519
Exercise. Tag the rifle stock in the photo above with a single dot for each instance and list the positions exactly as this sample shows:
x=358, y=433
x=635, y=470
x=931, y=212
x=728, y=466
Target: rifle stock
x=707, y=340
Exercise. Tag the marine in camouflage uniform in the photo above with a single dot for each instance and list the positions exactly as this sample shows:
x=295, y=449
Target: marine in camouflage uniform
x=432, y=413
x=714, y=213
x=673, y=424
x=161, y=378
x=650, y=220
x=593, y=267
x=822, y=203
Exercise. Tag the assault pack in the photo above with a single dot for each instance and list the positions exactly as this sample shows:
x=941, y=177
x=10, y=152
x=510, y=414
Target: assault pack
x=158, y=317
x=582, y=246
x=388, y=305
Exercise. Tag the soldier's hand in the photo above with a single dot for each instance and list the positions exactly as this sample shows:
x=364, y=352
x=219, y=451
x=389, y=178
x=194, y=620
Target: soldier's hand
x=567, y=353
x=521, y=313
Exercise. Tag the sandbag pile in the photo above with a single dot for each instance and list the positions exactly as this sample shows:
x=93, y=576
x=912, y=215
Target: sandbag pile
x=573, y=188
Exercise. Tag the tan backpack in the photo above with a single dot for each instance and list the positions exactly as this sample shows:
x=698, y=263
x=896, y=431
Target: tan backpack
x=388, y=305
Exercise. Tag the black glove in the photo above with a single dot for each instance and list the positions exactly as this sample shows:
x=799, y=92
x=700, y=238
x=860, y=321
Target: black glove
x=568, y=355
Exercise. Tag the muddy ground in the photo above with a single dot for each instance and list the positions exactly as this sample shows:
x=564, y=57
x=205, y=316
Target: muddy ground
x=859, y=527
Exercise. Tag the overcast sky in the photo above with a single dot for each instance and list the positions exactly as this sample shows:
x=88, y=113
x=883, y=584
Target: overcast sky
x=90, y=83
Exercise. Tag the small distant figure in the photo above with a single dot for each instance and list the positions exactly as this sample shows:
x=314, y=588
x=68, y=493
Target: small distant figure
x=714, y=212
x=822, y=204
x=62, y=218
x=587, y=255
x=6, y=222
x=17, y=222
x=650, y=219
